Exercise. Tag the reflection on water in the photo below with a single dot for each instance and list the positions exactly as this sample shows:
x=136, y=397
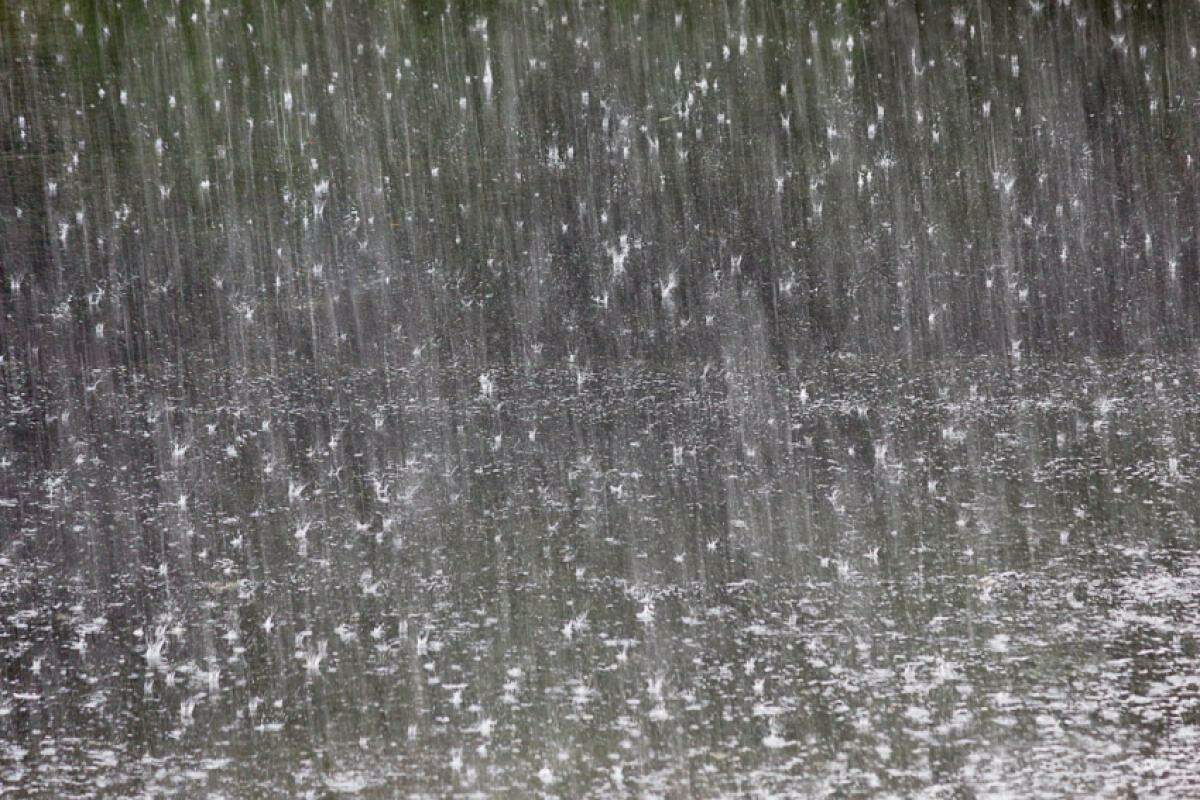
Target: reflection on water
x=700, y=581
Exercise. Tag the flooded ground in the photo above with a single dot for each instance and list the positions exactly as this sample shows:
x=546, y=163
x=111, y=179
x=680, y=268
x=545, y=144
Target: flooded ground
x=961, y=581
x=728, y=398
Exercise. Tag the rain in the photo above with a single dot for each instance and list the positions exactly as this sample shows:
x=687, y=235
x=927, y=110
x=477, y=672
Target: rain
x=555, y=398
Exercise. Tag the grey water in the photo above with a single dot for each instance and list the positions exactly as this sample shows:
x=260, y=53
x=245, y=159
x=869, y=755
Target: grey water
x=731, y=398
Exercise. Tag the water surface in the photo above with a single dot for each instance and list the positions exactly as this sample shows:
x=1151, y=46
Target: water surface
x=715, y=399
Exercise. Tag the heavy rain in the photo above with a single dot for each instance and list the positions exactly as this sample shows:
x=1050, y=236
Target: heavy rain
x=728, y=398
